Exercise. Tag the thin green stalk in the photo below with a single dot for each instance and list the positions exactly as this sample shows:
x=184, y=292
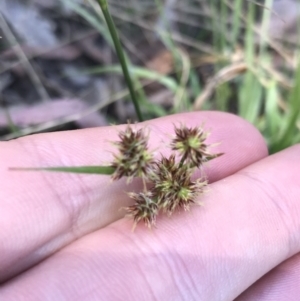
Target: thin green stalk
x=289, y=126
x=121, y=56
x=183, y=158
x=236, y=23
x=94, y=170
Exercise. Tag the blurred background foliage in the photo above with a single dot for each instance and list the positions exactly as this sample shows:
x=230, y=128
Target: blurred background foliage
x=59, y=70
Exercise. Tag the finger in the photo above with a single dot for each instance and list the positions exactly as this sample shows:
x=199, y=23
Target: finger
x=280, y=284
x=249, y=225
x=46, y=211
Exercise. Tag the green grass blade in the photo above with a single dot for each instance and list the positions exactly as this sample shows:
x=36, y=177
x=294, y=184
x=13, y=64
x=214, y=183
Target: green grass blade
x=90, y=18
x=99, y=170
x=119, y=50
x=195, y=85
x=236, y=23
x=288, y=132
x=250, y=97
x=139, y=72
x=112, y=38
x=223, y=26
x=251, y=90
x=264, y=28
x=272, y=113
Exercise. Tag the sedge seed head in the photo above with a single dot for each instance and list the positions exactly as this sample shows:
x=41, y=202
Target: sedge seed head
x=134, y=158
x=171, y=179
x=145, y=208
x=190, y=143
x=189, y=193
x=173, y=186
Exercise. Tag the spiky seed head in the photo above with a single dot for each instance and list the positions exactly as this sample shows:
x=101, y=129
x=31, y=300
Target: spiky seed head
x=189, y=193
x=173, y=186
x=131, y=140
x=190, y=143
x=134, y=159
x=145, y=208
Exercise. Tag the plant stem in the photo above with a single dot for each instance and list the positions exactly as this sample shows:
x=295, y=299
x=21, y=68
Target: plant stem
x=116, y=40
x=93, y=170
x=182, y=160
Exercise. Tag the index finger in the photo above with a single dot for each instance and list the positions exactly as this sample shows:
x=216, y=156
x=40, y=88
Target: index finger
x=46, y=211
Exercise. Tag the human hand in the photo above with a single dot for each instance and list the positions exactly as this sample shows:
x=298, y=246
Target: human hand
x=63, y=236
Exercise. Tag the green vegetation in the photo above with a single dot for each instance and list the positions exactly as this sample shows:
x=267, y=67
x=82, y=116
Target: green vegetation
x=251, y=74
x=245, y=79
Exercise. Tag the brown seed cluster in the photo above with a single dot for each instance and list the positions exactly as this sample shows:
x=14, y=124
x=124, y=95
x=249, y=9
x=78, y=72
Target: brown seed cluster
x=145, y=208
x=173, y=186
x=134, y=159
x=169, y=178
x=190, y=143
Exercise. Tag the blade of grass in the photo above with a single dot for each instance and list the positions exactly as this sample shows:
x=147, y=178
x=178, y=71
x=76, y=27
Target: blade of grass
x=96, y=23
x=90, y=18
x=195, y=84
x=35, y=79
x=119, y=50
x=223, y=94
x=264, y=29
x=181, y=60
x=289, y=127
x=250, y=91
x=181, y=102
x=250, y=97
x=215, y=30
x=273, y=118
x=223, y=26
x=99, y=170
x=139, y=72
x=236, y=23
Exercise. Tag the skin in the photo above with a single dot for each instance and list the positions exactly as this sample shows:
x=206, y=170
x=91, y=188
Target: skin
x=63, y=236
